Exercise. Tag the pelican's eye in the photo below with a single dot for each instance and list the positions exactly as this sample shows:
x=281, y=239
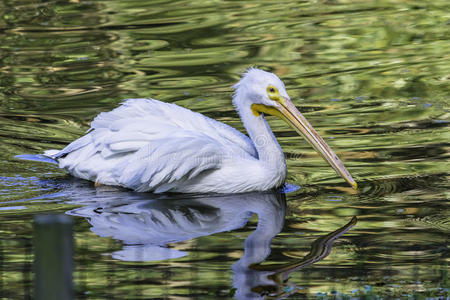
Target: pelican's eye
x=273, y=93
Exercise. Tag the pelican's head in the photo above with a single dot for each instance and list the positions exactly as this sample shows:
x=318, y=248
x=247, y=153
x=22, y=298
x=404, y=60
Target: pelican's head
x=265, y=93
x=260, y=87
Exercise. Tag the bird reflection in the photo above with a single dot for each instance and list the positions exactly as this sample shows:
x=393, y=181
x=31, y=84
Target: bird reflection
x=147, y=225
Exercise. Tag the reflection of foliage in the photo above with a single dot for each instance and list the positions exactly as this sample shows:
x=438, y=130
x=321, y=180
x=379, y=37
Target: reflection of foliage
x=6, y=85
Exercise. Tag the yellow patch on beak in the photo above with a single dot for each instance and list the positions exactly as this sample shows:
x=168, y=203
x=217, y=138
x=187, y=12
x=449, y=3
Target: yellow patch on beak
x=257, y=109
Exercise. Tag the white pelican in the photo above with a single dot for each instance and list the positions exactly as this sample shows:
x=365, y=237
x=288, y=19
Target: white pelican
x=149, y=145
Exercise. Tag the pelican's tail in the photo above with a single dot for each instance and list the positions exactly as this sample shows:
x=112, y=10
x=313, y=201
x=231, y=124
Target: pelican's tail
x=52, y=156
x=49, y=156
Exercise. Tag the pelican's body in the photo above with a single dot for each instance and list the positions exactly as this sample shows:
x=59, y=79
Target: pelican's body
x=149, y=145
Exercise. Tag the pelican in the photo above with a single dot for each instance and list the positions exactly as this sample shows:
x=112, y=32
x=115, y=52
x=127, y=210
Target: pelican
x=149, y=145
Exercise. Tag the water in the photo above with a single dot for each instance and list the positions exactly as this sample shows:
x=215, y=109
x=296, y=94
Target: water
x=371, y=76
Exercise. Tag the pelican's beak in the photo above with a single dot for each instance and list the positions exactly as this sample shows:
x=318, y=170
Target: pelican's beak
x=287, y=111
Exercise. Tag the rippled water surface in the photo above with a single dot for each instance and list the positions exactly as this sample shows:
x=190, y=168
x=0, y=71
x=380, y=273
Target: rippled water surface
x=373, y=77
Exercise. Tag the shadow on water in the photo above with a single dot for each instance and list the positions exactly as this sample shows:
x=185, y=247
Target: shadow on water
x=148, y=226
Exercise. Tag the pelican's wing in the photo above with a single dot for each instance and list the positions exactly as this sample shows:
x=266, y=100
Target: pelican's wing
x=162, y=163
x=151, y=145
x=157, y=113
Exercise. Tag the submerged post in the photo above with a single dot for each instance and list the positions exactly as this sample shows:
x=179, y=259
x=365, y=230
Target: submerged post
x=53, y=257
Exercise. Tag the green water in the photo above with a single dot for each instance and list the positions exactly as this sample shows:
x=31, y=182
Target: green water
x=373, y=77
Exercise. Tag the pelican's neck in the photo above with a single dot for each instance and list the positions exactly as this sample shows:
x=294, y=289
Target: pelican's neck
x=269, y=151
